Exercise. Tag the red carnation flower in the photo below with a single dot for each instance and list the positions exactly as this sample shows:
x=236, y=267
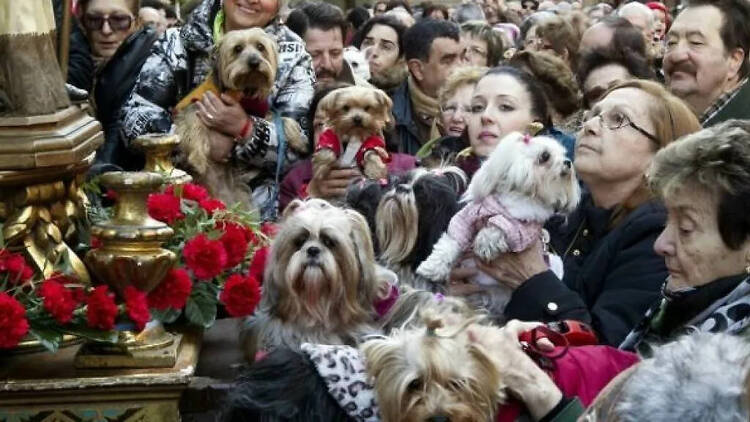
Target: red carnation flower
x=137, y=307
x=190, y=191
x=205, y=258
x=111, y=195
x=235, y=242
x=164, y=207
x=14, y=264
x=58, y=300
x=13, y=323
x=101, y=309
x=240, y=295
x=211, y=205
x=258, y=264
x=172, y=292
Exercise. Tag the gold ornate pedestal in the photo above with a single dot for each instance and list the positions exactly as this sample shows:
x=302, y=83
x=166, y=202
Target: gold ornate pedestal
x=47, y=387
x=157, y=148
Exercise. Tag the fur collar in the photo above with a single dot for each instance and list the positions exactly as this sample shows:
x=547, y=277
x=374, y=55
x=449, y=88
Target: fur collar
x=342, y=368
x=391, y=78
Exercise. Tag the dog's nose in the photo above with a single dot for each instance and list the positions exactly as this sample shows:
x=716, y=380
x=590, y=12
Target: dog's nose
x=253, y=61
x=313, y=251
x=568, y=164
x=439, y=418
x=357, y=120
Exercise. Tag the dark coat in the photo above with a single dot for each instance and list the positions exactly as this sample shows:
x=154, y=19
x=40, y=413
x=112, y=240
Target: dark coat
x=114, y=83
x=737, y=108
x=300, y=175
x=405, y=136
x=80, y=63
x=611, y=276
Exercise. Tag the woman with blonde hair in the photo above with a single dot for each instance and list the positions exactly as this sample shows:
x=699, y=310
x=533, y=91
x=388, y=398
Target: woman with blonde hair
x=612, y=274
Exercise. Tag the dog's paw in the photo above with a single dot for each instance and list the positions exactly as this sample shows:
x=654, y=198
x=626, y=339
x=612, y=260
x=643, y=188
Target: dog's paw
x=434, y=270
x=374, y=168
x=489, y=244
x=294, y=136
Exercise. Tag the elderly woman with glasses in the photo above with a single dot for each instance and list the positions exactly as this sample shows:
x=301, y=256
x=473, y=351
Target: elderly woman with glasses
x=612, y=274
x=119, y=47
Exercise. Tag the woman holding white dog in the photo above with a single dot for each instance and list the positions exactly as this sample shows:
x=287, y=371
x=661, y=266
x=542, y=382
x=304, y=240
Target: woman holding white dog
x=181, y=60
x=612, y=274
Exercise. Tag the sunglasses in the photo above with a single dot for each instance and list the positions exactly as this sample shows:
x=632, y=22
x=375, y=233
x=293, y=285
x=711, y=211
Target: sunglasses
x=116, y=22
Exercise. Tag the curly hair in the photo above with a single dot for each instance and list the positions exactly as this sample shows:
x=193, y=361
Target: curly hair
x=557, y=81
x=636, y=64
x=561, y=35
x=718, y=160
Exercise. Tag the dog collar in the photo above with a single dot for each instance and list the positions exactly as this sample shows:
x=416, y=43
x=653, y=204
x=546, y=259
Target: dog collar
x=342, y=368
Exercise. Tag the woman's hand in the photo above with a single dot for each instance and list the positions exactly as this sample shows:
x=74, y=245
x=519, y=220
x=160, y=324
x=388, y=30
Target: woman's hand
x=522, y=377
x=513, y=269
x=223, y=114
x=334, y=185
x=221, y=146
x=459, y=280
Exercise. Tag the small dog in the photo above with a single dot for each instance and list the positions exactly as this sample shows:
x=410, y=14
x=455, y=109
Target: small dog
x=358, y=62
x=408, y=216
x=433, y=373
x=321, y=282
x=244, y=66
x=521, y=185
x=357, y=117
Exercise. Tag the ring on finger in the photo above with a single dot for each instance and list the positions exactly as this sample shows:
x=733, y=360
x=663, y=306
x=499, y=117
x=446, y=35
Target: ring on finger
x=209, y=116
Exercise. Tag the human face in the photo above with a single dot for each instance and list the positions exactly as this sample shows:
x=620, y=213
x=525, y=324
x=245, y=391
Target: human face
x=380, y=8
x=597, y=36
x=430, y=75
x=528, y=8
x=601, y=79
x=660, y=24
x=691, y=244
x=105, y=40
x=500, y=105
x=474, y=51
x=600, y=149
x=244, y=14
x=697, y=66
x=456, y=111
x=327, y=51
x=148, y=16
x=437, y=15
x=381, y=48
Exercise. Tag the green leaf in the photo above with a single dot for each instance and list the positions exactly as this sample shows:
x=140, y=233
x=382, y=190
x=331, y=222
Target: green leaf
x=166, y=316
x=201, y=305
x=92, y=334
x=49, y=337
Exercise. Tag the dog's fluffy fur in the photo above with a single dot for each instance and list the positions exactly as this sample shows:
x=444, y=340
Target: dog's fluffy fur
x=700, y=377
x=532, y=179
x=320, y=283
x=244, y=64
x=408, y=216
x=358, y=62
x=354, y=113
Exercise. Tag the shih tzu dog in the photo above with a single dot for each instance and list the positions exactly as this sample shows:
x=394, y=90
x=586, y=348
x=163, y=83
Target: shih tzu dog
x=357, y=117
x=321, y=282
x=408, y=215
x=358, y=62
x=523, y=183
x=244, y=65
x=430, y=369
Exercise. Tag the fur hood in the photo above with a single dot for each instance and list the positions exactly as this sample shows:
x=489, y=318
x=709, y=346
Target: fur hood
x=391, y=79
x=700, y=377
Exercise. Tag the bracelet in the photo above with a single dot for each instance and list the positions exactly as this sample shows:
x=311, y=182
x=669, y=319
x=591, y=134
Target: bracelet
x=245, y=130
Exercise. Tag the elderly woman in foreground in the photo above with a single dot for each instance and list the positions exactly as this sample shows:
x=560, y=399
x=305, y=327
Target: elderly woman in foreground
x=704, y=182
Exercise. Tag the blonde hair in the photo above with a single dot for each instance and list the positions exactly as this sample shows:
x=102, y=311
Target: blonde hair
x=671, y=118
x=465, y=75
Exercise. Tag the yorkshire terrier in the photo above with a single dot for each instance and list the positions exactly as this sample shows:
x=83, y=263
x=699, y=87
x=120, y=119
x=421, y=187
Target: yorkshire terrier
x=321, y=282
x=523, y=183
x=357, y=117
x=408, y=216
x=244, y=65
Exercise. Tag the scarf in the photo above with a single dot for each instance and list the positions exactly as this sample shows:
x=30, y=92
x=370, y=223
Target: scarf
x=425, y=107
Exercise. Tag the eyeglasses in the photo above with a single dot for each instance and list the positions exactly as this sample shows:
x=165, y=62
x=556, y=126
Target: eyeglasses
x=614, y=120
x=116, y=22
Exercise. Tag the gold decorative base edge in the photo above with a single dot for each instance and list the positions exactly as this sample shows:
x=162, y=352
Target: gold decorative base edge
x=89, y=357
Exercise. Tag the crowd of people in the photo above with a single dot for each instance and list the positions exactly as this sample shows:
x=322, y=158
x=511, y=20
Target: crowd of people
x=651, y=104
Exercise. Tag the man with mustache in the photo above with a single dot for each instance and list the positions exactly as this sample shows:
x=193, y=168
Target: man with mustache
x=324, y=40
x=706, y=61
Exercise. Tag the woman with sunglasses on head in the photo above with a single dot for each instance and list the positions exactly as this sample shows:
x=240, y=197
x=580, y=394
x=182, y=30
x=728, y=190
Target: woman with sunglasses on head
x=612, y=274
x=119, y=47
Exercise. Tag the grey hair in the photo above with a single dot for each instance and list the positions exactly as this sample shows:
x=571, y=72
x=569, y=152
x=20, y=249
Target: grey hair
x=468, y=12
x=636, y=7
x=700, y=377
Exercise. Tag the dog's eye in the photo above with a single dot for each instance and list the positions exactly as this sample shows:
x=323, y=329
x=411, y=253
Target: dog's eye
x=367, y=108
x=544, y=157
x=328, y=242
x=346, y=109
x=238, y=49
x=300, y=240
x=260, y=47
x=414, y=385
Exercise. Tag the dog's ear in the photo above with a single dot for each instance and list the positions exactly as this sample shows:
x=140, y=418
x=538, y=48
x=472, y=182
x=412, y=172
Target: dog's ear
x=216, y=65
x=328, y=104
x=385, y=104
x=292, y=208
